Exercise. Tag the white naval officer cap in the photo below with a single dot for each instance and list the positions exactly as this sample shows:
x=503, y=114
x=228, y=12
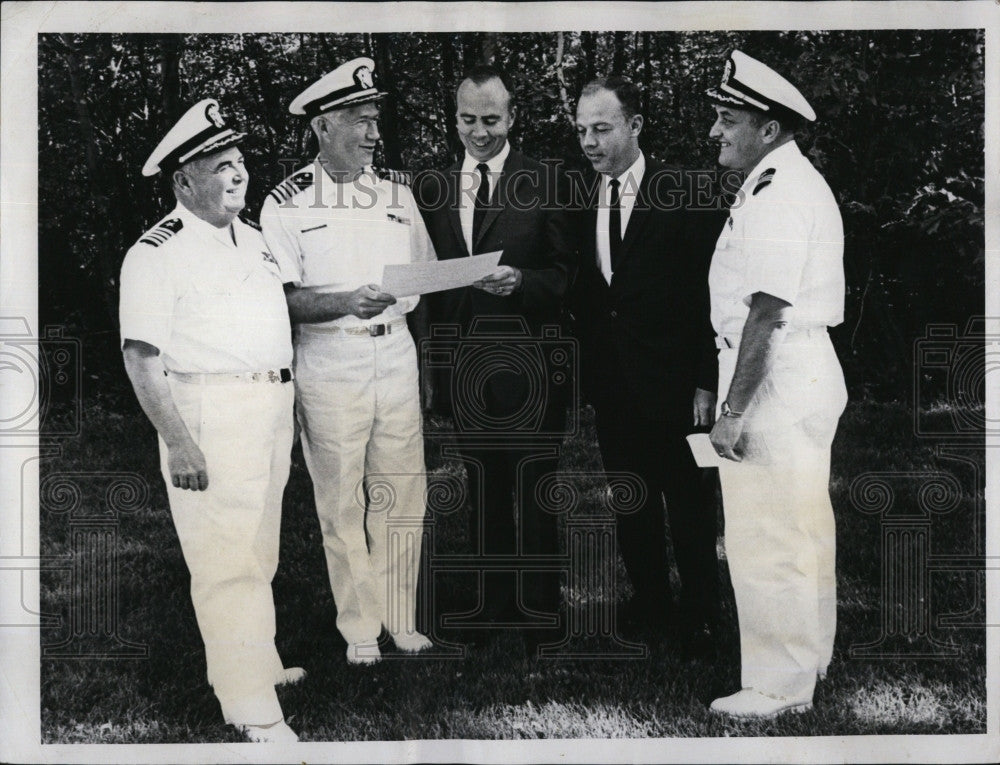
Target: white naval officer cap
x=750, y=84
x=199, y=132
x=349, y=84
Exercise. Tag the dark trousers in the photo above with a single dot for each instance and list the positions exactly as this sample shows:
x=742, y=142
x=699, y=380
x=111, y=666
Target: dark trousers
x=505, y=519
x=659, y=454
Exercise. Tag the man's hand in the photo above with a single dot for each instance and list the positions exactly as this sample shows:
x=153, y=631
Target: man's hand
x=368, y=301
x=503, y=281
x=724, y=435
x=704, y=407
x=187, y=467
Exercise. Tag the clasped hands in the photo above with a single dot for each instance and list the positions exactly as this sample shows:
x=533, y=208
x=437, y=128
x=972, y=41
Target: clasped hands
x=503, y=281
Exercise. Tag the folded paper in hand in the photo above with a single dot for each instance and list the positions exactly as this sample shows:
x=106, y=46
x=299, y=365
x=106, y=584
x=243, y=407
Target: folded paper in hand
x=704, y=453
x=436, y=275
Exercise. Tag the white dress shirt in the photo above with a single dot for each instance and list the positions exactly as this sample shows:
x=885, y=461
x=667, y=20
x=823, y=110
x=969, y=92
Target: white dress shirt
x=469, y=185
x=628, y=189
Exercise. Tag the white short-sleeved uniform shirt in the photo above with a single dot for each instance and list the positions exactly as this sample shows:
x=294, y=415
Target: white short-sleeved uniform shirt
x=209, y=304
x=336, y=237
x=785, y=237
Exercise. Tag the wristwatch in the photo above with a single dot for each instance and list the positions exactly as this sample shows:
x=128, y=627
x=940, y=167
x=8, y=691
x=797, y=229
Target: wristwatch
x=728, y=412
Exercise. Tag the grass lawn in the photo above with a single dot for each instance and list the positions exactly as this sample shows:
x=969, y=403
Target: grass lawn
x=495, y=692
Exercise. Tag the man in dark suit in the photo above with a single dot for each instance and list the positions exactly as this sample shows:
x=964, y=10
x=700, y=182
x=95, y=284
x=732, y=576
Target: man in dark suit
x=641, y=311
x=508, y=427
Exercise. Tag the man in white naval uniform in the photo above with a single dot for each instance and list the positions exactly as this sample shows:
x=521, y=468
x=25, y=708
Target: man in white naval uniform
x=333, y=226
x=207, y=346
x=777, y=283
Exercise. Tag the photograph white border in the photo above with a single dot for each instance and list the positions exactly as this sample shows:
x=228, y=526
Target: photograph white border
x=19, y=645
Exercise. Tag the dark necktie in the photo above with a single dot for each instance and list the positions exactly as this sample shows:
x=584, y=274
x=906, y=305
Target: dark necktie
x=482, y=201
x=614, y=226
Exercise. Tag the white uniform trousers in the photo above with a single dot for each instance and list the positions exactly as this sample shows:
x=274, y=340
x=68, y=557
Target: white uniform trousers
x=359, y=408
x=229, y=535
x=779, y=524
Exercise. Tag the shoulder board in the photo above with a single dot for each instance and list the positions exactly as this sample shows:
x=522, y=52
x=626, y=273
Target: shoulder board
x=162, y=232
x=764, y=179
x=250, y=222
x=292, y=185
x=401, y=177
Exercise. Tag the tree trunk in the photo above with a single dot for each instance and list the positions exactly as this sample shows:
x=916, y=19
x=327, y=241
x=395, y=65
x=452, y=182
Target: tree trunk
x=257, y=64
x=470, y=50
x=563, y=95
x=448, y=85
x=618, y=59
x=647, y=73
x=170, y=70
x=389, y=120
x=107, y=263
x=589, y=45
x=324, y=44
x=487, y=47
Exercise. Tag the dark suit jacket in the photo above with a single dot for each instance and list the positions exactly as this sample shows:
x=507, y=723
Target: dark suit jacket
x=527, y=221
x=646, y=339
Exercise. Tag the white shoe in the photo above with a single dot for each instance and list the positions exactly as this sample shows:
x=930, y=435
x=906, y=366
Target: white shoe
x=279, y=733
x=412, y=642
x=749, y=703
x=364, y=653
x=290, y=676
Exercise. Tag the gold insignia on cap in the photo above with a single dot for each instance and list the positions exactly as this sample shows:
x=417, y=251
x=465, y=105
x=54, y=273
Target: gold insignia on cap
x=364, y=78
x=212, y=113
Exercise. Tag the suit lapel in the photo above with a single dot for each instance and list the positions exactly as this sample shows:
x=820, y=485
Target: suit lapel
x=453, y=179
x=501, y=194
x=640, y=214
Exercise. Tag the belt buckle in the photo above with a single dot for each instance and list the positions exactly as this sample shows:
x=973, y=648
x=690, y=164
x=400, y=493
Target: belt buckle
x=376, y=330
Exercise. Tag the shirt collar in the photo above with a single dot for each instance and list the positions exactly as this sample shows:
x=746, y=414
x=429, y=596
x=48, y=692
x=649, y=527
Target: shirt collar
x=495, y=165
x=633, y=173
x=202, y=227
x=331, y=190
x=783, y=153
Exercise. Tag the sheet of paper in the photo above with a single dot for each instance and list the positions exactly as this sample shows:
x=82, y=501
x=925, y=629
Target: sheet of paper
x=704, y=453
x=421, y=278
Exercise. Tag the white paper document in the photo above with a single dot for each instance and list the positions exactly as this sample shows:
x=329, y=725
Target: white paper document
x=421, y=278
x=704, y=453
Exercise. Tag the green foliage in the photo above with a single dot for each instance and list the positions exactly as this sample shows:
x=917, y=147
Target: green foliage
x=900, y=140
